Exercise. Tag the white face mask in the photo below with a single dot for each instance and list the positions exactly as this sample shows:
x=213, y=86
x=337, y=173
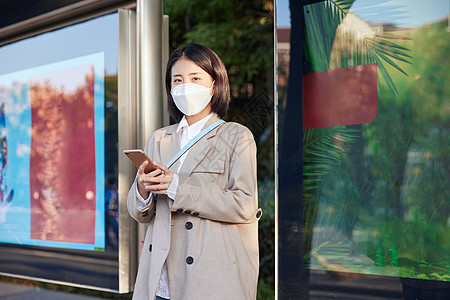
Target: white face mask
x=191, y=98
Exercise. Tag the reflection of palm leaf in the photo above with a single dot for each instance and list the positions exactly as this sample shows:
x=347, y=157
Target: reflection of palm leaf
x=342, y=5
x=323, y=148
x=327, y=47
x=384, y=49
x=321, y=21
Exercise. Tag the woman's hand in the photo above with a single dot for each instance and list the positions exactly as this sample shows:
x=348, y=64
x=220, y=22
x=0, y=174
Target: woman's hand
x=157, y=181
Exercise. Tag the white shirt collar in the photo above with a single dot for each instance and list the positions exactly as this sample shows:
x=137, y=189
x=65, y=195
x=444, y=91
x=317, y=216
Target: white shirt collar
x=194, y=128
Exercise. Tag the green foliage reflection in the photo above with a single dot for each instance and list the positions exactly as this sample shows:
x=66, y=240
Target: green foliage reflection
x=382, y=205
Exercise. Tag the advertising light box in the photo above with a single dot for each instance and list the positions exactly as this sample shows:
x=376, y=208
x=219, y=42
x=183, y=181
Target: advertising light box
x=52, y=147
x=58, y=156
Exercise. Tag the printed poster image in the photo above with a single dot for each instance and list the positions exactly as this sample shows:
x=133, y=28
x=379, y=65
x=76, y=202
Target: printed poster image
x=6, y=195
x=52, y=155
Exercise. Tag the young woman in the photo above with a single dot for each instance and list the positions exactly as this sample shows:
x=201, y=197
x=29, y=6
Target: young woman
x=202, y=238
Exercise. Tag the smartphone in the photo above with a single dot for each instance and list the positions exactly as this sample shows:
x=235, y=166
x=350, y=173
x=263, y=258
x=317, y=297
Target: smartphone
x=137, y=156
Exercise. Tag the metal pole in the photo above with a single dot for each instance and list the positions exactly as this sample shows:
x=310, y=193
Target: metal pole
x=127, y=140
x=149, y=30
x=149, y=77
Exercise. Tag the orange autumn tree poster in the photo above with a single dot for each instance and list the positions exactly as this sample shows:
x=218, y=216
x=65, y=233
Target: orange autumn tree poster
x=62, y=160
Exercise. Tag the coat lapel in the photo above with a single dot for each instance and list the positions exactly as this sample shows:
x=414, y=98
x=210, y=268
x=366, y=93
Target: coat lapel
x=201, y=148
x=169, y=146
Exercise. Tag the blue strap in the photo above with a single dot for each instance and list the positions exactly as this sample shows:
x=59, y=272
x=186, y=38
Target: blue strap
x=193, y=141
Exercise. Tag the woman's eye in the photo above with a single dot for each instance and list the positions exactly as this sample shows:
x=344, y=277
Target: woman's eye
x=176, y=80
x=195, y=79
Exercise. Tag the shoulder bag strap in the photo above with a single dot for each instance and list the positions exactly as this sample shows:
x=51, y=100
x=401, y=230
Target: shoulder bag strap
x=193, y=141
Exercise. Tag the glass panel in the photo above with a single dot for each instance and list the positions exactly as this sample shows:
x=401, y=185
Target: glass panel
x=375, y=144
x=58, y=121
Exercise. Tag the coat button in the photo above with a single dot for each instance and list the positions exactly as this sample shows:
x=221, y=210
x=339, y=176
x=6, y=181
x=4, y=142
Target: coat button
x=187, y=211
x=258, y=214
x=150, y=248
x=195, y=213
x=189, y=260
x=188, y=225
x=180, y=210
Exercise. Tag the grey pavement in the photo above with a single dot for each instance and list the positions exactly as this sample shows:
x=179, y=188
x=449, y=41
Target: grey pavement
x=12, y=291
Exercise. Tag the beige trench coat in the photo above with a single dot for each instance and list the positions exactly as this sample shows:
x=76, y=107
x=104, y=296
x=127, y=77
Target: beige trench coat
x=209, y=233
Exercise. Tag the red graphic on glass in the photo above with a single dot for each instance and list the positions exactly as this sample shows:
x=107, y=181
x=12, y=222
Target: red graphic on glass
x=62, y=161
x=345, y=96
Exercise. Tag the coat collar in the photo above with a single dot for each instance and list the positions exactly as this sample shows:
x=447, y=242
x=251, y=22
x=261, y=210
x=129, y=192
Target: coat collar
x=170, y=145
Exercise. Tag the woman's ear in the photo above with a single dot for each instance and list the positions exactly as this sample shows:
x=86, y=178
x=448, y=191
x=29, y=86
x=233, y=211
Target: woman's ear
x=213, y=87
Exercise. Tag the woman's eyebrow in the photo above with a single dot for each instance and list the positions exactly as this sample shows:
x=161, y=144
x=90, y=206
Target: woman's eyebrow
x=193, y=73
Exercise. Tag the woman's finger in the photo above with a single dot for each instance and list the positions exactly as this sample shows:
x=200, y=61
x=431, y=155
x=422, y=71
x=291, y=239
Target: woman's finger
x=160, y=192
x=141, y=173
x=163, y=178
x=163, y=168
x=150, y=177
x=157, y=186
x=154, y=173
x=142, y=168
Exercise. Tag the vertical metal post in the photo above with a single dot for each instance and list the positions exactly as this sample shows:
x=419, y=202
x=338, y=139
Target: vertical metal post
x=143, y=53
x=150, y=113
x=127, y=140
x=150, y=95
